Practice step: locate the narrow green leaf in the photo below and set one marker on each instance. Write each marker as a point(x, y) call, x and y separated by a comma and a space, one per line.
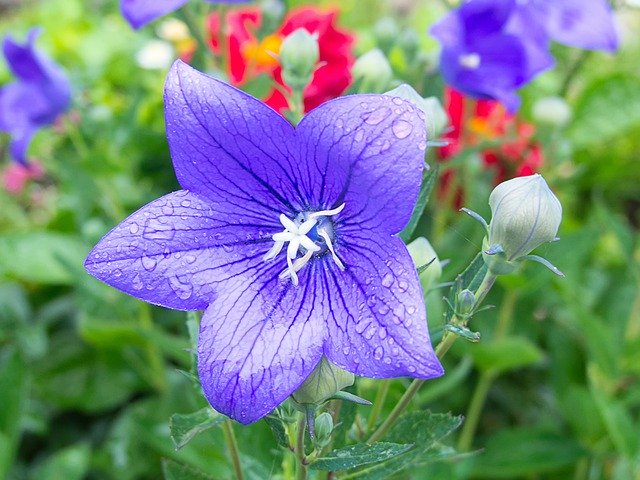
point(13, 397)
point(184, 427)
point(360, 454)
point(428, 182)
point(172, 470)
point(71, 463)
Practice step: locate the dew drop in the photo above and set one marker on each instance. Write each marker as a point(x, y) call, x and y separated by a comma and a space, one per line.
point(377, 116)
point(383, 309)
point(190, 258)
point(227, 248)
point(382, 333)
point(134, 227)
point(411, 368)
point(401, 129)
point(387, 360)
point(378, 353)
point(387, 280)
point(370, 333)
point(403, 286)
point(372, 300)
point(167, 209)
point(149, 263)
point(422, 145)
point(359, 136)
point(411, 309)
point(155, 230)
point(361, 326)
point(397, 100)
point(339, 123)
point(385, 146)
point(181, 289)
point(346, 350)
point(137, 282)
point(117, 272)
point(185, 203)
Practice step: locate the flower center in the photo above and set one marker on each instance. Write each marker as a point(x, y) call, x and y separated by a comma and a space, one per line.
point(308, 233)
point(470, 61)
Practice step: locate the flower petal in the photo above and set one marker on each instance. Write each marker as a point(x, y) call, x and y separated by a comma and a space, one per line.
point(176, 250)
point(227, 144)
point(366, 151)
point(377, 325)
point(258, 342)
point(24, 60)
point(140, 12)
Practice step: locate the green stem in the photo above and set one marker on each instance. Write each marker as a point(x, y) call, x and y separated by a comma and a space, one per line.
point(378, 403)
point(299, 449)
point(152, 351)
point(487, 377)
point(232, 445)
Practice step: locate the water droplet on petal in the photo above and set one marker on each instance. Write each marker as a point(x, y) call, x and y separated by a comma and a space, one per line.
point(377, 116)
point(117, 272)
point(361, 326)
point(385, 146)
point(134, 227)
point(411, 309)
point(359, 136)
point(397, 100)
point(185, 203)
point(182, 289)
point(387, 280)
point(167, 209)
point(339, 123)
point(346, 350)
point(149, 263)
point(403, 286)
point(387, 360)
point(401, 129)
point(382, 333)
point(378, 353)
point(137, 282)
point(190, 258)
point(155, 230)
point(422, 145)
point(383, 309)
point(411, 368)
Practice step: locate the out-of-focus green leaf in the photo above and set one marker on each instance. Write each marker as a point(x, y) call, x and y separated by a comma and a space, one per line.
point(525, 451)
point(173, 470)
point(360, 454)
point(608, 107)
point(40, 257)
point(13, 398)
point(428, 182)
point(506, 354)
point(71, 463)
point(186, 426)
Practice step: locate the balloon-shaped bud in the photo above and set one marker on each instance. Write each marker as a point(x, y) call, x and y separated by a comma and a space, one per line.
point(299, 55)
point(324, 382)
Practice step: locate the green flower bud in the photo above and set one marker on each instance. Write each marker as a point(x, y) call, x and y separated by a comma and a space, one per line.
point(299, 55)
point(373, 70)
point(465, 302)
point(323, 383)
point(423, 254)
point(436, 119)
point(524, 214)
point(552, 110)
point(323, 429)
point(386, 31)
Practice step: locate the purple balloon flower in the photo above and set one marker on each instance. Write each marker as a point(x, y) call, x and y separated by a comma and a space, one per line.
point(482, 57)
point(286, 236)
point(38, 96)
point(140, 12)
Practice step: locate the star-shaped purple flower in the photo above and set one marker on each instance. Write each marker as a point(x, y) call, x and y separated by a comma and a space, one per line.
point(286, 236)
point(482, 57)
point(38, 96)
point(140, 12)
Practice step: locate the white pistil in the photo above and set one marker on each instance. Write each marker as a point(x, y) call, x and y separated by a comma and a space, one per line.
point(296, 235)
point(470, 61)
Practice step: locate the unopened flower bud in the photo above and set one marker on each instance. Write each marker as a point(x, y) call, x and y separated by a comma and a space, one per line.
point(524, 214)
point(155, 55)
point(386, 31)
point(299, 55)
point(323, 383)
point(373, 70)
point(465, 302)
point(425, 259)
point(552, 110)
point(323, 429)
point(436, 119)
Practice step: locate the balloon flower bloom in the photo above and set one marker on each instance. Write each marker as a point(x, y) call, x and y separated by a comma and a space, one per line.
point(140, 12)
point(286, 238)
point(250, 56)
point(40, 93)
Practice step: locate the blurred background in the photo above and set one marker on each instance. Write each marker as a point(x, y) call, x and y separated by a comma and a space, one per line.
point(89, 377)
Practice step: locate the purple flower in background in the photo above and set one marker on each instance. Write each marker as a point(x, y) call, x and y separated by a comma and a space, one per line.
point(482, 57)
point(140, 12)
point(584, 24)
point(38, 96)
point(285, 236)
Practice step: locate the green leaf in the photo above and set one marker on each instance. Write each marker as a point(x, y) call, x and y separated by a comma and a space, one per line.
point(42, 257)
point(360, 454)
point(525, 452)
point(71, 463)
point(428, 182)
point(470, 279)
point(607, 108)
point(172, 470)
point(186, 426)
point(507, 354)
point(13, 399)
point(277, 427)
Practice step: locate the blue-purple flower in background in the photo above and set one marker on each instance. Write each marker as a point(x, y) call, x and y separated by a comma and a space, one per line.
point(285, 236)
point(140, 12)
point(39, 95)
point(491, 48)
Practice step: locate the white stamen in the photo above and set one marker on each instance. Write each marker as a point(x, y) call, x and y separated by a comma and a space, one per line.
point(295, 233)
point(470, 61)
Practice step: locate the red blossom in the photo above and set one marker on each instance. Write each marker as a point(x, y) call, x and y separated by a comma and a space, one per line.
point(249, 55)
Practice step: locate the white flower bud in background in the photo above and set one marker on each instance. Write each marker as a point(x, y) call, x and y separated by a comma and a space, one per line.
point(155, 55)
point(423, 254)
point(299, 55)
point(524, 214)
point(373, 71)
point(552, 110)
point(436, 119)
point(173, 30)
point(324, 382)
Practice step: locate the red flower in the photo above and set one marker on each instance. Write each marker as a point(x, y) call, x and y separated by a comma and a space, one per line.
point(249, 55)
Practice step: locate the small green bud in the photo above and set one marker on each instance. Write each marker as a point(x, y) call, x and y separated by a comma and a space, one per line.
point(465, 302)
point(386, 31)
point(436, 119)
point(323, 383)
point(410, 43)
point(552, 110)
point(299, 55)
point(524, 214)
point(373, 70)
point(423, 254)
point(323, 429)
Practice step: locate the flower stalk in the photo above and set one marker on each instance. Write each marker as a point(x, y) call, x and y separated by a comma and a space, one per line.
point(232, 445)
point(299, 448)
